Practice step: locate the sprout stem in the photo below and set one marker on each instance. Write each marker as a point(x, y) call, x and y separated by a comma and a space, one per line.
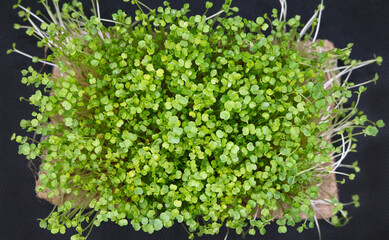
point(29, 56)
point(144, 5)
point(32, 14)
point(308, 24)
point(98, 8)
point(319, 20)
point(214, 15)
point(56, 6)
point(284, 8)
point(361, 84)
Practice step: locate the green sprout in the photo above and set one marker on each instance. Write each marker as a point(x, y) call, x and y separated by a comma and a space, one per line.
point(205, 120)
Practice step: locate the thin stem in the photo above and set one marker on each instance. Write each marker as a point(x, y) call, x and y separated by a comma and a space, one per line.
point(319, 20)
point(29, 56)
point(93, 6)
point(283, 10)
point(214, 15)
point(56, 6)
point(140, 8)
point(308, 24)
point(91, 225)
point(50, 13)
point(361, 84)
point(111, 21)
point(228, 230)
point(36, 29)
point(318, 227)
point(348, 69)
point(98, 8)
point(144, 5)
point(32, 14)
point(336, 69)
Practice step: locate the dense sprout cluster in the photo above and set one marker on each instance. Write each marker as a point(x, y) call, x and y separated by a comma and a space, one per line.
point(166, 116)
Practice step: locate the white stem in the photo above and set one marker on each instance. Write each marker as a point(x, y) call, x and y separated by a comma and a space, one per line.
point(58, 14)
point(101, 34)
point(348, 76)
point(256, 213)
point(329, 132)
point(228, 230)
point(340, 102)
point(318, 22)
point(32, 14)
point(50, 13)
point(37, 29)
point(335, 69)
point(308, 24)
point(98, 8)
point(318, 227)
point(325, 117)
point(214, 15)
point(339, 173)
point(344, 152)
point(361, 84)
point(26, 27)
point(331, 80)
point(111, 21)
point(320, 201)
point(306, 170)
point(29, 56)
point(93, 6)
point(283, 10)
point(318, 210)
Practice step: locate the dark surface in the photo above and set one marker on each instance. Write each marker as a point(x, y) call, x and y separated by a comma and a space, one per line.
point(364, 22)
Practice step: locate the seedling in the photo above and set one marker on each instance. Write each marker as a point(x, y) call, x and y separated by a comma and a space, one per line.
point(206, 120)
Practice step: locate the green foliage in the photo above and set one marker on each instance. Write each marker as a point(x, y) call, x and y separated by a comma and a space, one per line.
point(167, 117)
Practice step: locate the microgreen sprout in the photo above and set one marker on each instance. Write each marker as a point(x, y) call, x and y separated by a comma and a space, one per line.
point(205, 120)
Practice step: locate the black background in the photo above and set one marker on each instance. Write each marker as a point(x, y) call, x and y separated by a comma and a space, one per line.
point(363, 22)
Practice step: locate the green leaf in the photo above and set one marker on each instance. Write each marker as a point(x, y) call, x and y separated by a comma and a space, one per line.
point(285, 151)
point(94, 62)
point(104, 100)
point(68, 204)
point(142, 44)
point(265, 212)
point(294, 132)
point(66, 105)
point(119, 123)
point(98, 55)
point(43, 224)
point(123, 222)
point(173, 139)
point(260, 20)
point(34, 122)
point(68, 121)
point(282, 229)
point(304, 209)
point(371, 131)
point(24, 149)
point(160, 72)
point(177, 203)
point(158, 224)
point(208, 4)
point(138, 191)
point(380, 124)
point(177, 130)
point(225, 115)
